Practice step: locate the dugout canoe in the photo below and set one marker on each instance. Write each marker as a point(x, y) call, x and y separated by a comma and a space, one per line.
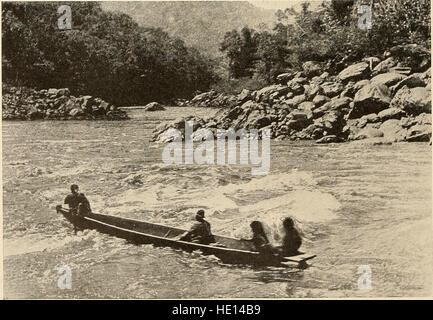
point(228, 250)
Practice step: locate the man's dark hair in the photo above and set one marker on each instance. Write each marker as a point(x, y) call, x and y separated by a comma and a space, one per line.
point(288, 222)
point(74, 187)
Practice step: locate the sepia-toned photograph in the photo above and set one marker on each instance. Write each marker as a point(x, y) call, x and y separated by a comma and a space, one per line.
point(216, 150)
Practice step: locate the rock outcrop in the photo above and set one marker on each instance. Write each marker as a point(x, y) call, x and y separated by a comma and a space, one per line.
point(55, 104)
point(380, 98)
point(211, 99)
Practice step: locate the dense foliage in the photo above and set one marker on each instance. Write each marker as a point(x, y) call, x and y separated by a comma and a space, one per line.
point(106, 54)
point(328, 34)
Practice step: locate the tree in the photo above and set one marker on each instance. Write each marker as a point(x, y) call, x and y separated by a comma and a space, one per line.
point(241, 51)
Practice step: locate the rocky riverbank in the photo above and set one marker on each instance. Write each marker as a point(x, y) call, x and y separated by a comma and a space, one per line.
point(387, 99)
point(55, 104)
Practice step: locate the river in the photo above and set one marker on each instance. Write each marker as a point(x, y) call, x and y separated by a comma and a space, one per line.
point(356, 205)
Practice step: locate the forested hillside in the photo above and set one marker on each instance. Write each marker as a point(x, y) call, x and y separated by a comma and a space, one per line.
point(201, 24)
point(106, 54)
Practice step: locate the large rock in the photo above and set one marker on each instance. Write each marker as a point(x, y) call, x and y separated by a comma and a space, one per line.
point(419, 133)
point(360, 84)
point(329, 139)
point(332, 89)
point(76, 112)
point(413, 55)
point(393, 131)
point(320, 100)
point(312, 90)
point(355, 72)
point(389, 79)
point(285, 77)
point(391, 113)
point(297, 120)
point(311, 68)
point(244, 96)
point(154, 106)
point(340, 104)
point(412, 81)
point(370, 99)
point(385, 66)
point(413, 100)
point(369, 118)
point(264, 93)
point(257, 120)
point(368, 133)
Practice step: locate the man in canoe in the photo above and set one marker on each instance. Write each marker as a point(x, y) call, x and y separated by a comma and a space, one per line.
point(200, 231)
point(292, 239)
point(260, 240)
point(78, 203)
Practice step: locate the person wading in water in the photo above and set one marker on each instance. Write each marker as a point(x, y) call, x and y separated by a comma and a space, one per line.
point(200, 231)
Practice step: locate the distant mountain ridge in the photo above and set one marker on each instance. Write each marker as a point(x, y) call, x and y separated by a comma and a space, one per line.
point(201, 24)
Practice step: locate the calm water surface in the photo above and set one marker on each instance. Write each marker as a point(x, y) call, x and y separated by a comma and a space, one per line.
point(355, 204)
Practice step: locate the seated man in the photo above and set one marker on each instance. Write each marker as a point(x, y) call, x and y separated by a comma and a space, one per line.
point(292, 239)
point(78, 203)
point(260, 240)
point(200, 231)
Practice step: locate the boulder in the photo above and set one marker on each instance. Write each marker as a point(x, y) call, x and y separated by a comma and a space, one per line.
point(256, 120)
point(312, 90)
point(245, 95)
point(368, 133)
point(423, 119)
point(371, 98)
point(298, 120)
point(296, 100)
point(412, 81)
point(413, 100)
point(385, 66)
point(76, 112)
point(296, 86)
point(86, 102)
point(202, 134)
point(340, 104)
point(414, 55)
point(355, 72)
point(52, 92)
point(34, 114)
point(63, 92)
point(264, 93)
point(393, 131)
point(360, 84)
point(349, 90)
point(332, 89)
point(154, 106)
point(320, 100)
point(329, 139)
point(389, 79)
point(391, 113)
point(284, 77)
point(311, 69)
point(306, 106)
point(419, 133)
point(369, 118)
